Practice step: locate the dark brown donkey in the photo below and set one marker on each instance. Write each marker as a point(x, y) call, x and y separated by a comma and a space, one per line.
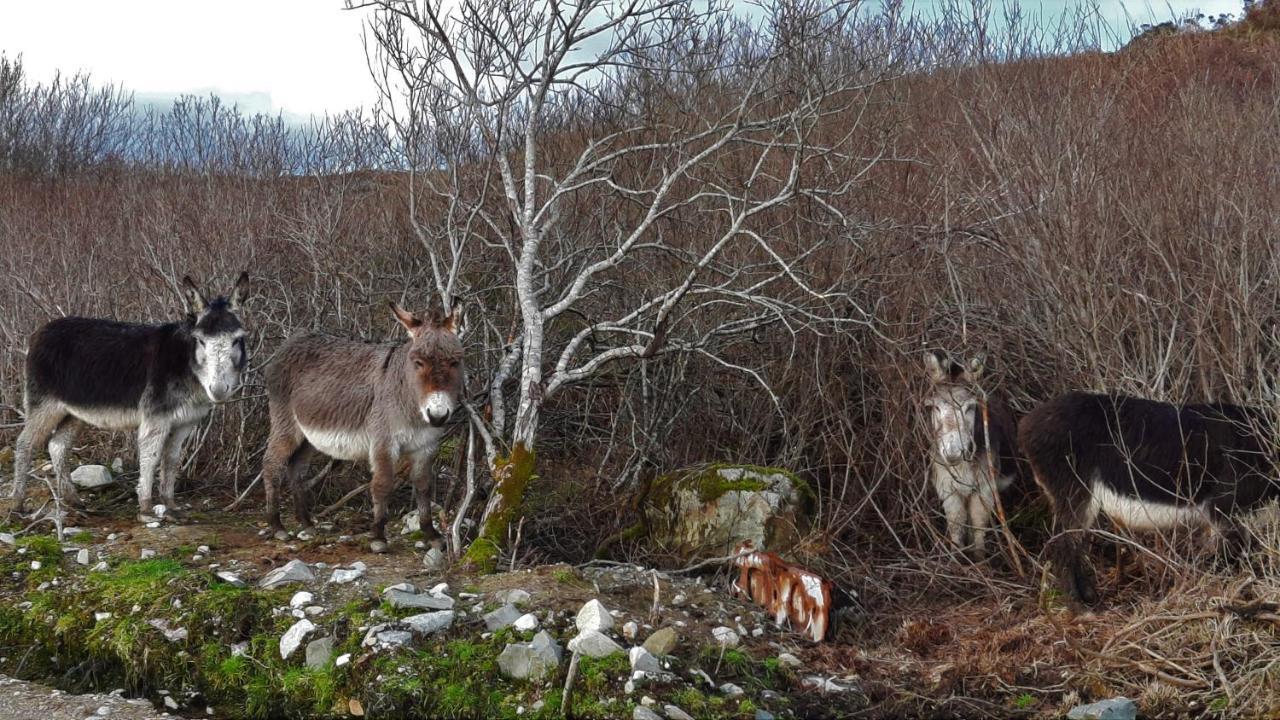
point(1148, 466)
point(359, 401)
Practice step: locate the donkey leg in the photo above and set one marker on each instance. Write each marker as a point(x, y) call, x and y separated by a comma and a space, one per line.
point(170, 461)
point(151, 443)
point(980, 519)
point(42, 421)
point(423, 471)
point(953, 506)
point(298, 463)
point(59, 444)
point(1073, 514)
point(383, 482)
point(286, 438)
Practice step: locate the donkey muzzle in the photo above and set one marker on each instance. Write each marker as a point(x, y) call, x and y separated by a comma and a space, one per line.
point(437, 408)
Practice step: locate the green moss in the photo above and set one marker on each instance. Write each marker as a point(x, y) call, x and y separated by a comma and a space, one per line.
point(512, 476)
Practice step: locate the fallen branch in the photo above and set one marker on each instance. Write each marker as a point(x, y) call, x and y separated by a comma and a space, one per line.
point(344, 500)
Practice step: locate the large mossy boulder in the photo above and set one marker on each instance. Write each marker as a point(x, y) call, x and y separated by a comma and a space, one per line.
point(706, 510)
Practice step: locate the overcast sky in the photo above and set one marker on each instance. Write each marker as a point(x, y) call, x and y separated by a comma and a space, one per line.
point(296, 56)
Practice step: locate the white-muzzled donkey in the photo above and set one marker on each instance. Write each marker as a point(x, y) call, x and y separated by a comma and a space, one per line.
point(966, 473)
point(161, 380)
point(377, 403)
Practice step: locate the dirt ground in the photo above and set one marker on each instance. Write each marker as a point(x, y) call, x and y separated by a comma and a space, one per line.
point(28, 701)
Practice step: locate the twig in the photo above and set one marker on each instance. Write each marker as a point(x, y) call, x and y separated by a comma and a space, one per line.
point(566, 698)
point(236, 503)
point(657, 594)
point(345, 499)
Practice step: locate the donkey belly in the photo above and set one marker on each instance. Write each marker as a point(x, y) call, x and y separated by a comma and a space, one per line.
point(1138, 514)
point(107, 418)
point(340, 444)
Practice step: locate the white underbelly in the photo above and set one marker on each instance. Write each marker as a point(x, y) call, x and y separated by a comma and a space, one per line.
point(1135, 514)
point(343, 445)
point(107, 418)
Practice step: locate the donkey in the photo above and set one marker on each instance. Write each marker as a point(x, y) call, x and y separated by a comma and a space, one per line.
point(359, 401)
point(967, 473)
point(161, 380)
point(1148, 466)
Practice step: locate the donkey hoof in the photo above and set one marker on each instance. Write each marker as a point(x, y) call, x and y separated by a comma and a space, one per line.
point(378, 546)
point(149, 520)
point(281, 535)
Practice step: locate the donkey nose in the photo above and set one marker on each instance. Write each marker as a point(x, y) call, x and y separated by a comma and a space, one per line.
point(437, 418)
point(969, 450)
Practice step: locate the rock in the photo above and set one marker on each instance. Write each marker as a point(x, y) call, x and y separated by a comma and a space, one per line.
point(412, 523)
point(429, 623)
point(662, 642)
point(502, 617)
point(526, 622)
point(595, 644)
point(679, 599)
point(763, 714)
point(231, 579)
point(343, 659)
point(82, 557)
point(594, 616)
point(292, 571)
point(829, 685)
point(401, 587)
point(117, 466)
point(102, 566)
point(36, 564)
point(293, 637)
point(643, 713)
point(300, 599)
point(402, 599)
point(643, 661)
point(386, 636)
point(170, 633)
point(433, 559)
point(707, 510)
point(515, 597)
point(530, 660)
point(1120, 708)
point(439, 589)
point(91, 476)
point(170, 703)
point(146, 554)
point(377, 546)
point(100, 616)
point(240, 649)
point(313, 610)
point(674, 713)
point(343, 576)
point(319, 651)
point(726, 637)
point(789, 660)
point(629, 630)
point(8, 539)
point(203, 549)
point(732, 691)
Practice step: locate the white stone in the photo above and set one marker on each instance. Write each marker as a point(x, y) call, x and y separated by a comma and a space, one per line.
point(293, 637)
point(343, 659)
point(171, 634)
point(502, 617)
point(594, 616)
point(100, 567)
point(726, 636)
point(515, 597)
point(231, 579)
point(674, 713)
point(433, 559)
point(630, 630)
point(789, 660)
point(91, 476)
point(429, 623)
point(300, 599)
point(36, 565)
point(526, 622)
point(147, 554)
point(731, 690)
point(402, 587)
point(8, 539)
point(203, 549)
point(643, 713)
point(401, 599)
point(82, 557)
point(643, 661)
point(100, 616)
point(292, 571)
point(530, 660)
point(159, 511)
point(343, 576)
point(594, 643)
point(170, 703)
point(439, 589)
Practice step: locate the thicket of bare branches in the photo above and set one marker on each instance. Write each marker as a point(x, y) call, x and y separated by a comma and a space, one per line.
point(1088, 219)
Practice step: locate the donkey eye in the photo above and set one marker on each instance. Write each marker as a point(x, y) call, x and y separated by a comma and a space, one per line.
point(418, 363)
point(453, 363)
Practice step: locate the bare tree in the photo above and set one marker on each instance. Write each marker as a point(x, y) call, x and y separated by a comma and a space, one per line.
point(612, 182)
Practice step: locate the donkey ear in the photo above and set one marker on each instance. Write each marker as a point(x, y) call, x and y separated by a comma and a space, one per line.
point(933, 363)
point(455, 322)
point(977, 364)
point(410, 321)
point(196, 303)
point(240, 291)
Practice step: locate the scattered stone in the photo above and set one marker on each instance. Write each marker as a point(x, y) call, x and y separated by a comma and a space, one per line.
point(643, 713)
point(789, 660)
point(232, 579)
point(762, 714)
point(159, 511)
point(401, 587)
point(662, 642)
point(82, 557)
point(300, 599)
point(502, 617)
point(829, 685)
point(319, 651)
point(412, 523)
point(726, 636)
point(515, 597)
point(153, 524)
point(91, 476)
point(594, 616)
point(170, 633)
point(293, 637)
point(102, 566)
point(429, 623)
point(674, 713)
point(679, 599)
point(733, 691)
point(170, 703)
point(595, 644)
point(292, 571)
point(530, 660)
point(313, 610)
point(385, 636)
point(304, 535)
point(240, 649)
point(36, 565)
point(401, 599)
point(343, 659)
point(203, 549)
point(526, 622)
point(643, 661)
point(343, 576)
point(629, 630)
point(439, 589)
point(377, 546)
point(100, 616)
point(147, 554)
point(8, 539)
point(1119, 708)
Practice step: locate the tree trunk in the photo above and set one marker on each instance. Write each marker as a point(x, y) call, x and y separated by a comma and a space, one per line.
point(511, 477)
